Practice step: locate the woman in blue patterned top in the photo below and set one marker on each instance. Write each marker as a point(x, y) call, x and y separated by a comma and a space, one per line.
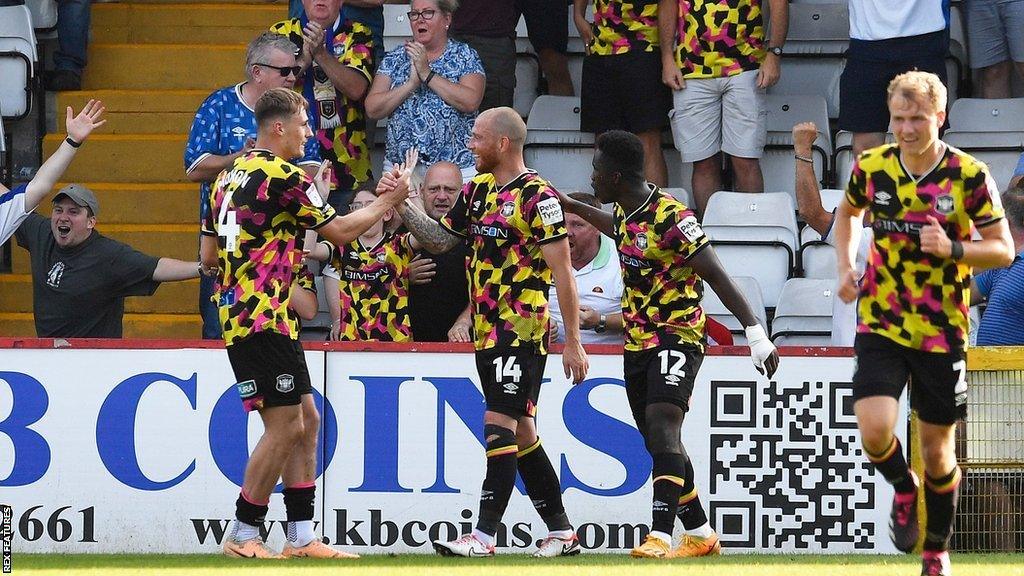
point(431, 88)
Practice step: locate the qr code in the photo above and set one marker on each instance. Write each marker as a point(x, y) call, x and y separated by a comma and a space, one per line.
point(787, 470)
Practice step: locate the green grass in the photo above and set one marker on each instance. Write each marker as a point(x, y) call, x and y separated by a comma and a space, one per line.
point(512, 565)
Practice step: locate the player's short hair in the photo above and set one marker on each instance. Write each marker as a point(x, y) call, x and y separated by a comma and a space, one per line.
point(918, 85)
point(446, 6)
point(278, 103)
point(623, 153)
point(1013, 204)
point(507, 122)
point(588, 199)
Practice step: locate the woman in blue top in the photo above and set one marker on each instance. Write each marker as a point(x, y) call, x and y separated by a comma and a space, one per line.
point(431, 88)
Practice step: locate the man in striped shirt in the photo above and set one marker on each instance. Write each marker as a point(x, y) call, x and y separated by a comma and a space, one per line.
point(1003, 288)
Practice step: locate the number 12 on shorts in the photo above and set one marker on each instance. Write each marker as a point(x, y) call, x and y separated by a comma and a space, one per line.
point(507, 368)
point(672, 362)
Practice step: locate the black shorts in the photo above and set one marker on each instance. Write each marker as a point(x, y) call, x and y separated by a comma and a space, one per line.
point(270, 369)
point(938, 381)
point(511, 379)
point(871, 65)
point(624, 92)
point(547, 23)
point(662, 374)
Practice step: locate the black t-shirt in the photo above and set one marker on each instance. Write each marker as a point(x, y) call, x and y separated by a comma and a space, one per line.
point(434, 306)
point(489, 18)
point(79, 292)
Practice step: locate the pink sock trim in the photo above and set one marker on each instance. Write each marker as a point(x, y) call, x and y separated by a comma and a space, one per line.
point(934, 553)
point(903, 498)
point(250, 500)
point(303, 485)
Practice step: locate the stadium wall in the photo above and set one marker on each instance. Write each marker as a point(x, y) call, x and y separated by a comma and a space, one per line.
point(139, 447)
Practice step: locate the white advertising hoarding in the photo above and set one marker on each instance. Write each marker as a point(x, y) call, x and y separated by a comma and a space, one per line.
point(119, 450)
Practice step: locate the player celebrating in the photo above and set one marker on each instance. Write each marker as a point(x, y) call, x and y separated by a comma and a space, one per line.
point(664, 254)
point(924, 197)
point(517, 236)
point(260, 207)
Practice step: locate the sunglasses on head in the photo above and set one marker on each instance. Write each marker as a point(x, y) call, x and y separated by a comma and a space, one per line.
point(283, 70)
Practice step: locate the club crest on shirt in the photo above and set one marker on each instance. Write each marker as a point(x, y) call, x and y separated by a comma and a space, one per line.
point(382, 258)
point(641, 241)
point(944, 204)
point(285, 383)
point(507, 209)
point(55, 274)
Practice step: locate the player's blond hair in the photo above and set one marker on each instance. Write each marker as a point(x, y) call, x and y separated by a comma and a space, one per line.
point(919, 86)
point(278, 103)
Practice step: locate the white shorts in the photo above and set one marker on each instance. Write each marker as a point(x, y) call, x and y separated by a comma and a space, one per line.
point(720, 114)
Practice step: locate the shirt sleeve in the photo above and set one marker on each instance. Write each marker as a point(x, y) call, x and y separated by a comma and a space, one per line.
point(132, 271)
point(982, 200)
point(389, 63)
point(684, 234)
point(358, 53)
point(456, 220)
point(984, 281)
point(292, 30)
point(12, 211)
point(856, 188)
point(471, 62)
point(544, 213)
point(208, 225)
point(204, 136)
point(303, 201)
point(31, 232)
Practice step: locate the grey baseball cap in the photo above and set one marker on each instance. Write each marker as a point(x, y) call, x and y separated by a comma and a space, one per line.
point(80, 195)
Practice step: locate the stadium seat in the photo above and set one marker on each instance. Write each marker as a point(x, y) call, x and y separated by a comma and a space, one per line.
point(714, 307)
point(527, 80)
point(18, 58)
point(44, 17)
point(777, 164)
point(818, 29)
point(754, 234)
point(396, 26)
point(576, 71)
point(804, 314)
point(999, 150)
point(555, 147)
point(987, 115)
point(816, 75)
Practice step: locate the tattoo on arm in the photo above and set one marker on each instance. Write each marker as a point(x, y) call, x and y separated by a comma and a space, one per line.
point(434, 238)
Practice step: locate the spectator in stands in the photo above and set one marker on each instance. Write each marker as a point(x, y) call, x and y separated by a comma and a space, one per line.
point(808, 199)
point(73, 17)
point(886, 39)
point(595, 265)
point(80, 278)
point(623, 60)
point(369, 13)
point(16, 205)
point(995, 39)
point(224, 128)
point(336, 57)
point(367, 283)
point(1003, 288)
point(547, 24)
point(719, 67)
point(489, 28)
point(431, 89)
point(439, 290)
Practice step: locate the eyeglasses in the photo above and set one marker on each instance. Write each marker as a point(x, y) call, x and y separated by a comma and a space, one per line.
point(425, 14)
point(283, 70)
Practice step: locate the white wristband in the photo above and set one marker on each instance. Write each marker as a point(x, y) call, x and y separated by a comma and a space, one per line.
point(755, 333)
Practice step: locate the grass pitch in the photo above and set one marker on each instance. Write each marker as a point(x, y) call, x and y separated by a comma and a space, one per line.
point(511, 565)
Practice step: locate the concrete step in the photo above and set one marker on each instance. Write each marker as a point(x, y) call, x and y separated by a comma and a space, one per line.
point(138, 111)
point(125, 158)
point(180, 23)
point(143, 326)
point(170, 298)
point(129, 203)
point(179, 241)
point(163, 66)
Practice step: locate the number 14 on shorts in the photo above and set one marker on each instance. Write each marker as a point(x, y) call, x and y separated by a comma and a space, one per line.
point(505, 368)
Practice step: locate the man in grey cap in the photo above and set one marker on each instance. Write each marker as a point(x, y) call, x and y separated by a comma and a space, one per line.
point(80, 278)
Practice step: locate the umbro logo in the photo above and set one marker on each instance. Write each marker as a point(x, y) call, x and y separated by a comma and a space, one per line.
point(882, 198)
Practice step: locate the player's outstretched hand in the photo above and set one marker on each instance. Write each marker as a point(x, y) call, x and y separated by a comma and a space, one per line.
point(847, 286)
point(574, 361)
point(934, 239)
point(80, 126)
point(762, 351)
